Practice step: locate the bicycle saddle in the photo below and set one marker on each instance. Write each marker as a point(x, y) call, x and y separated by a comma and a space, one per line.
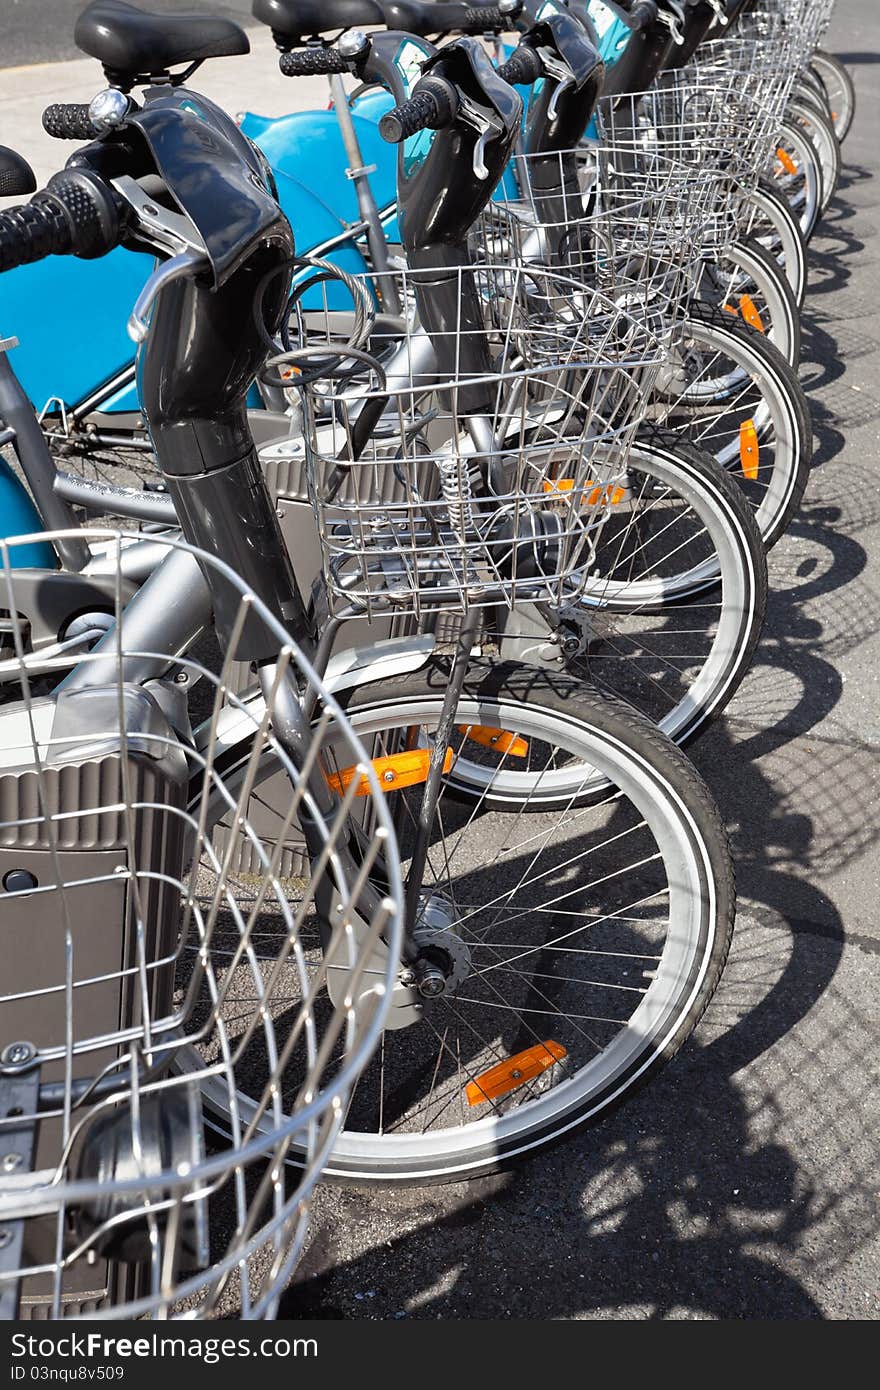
point(16, 175)
point(127, 40)
point(297, 20)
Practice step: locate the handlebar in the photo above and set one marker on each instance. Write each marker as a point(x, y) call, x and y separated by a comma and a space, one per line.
point(522, 68)
point(69, 121)
point(313, 62)
point(433, 104)
point(643, 13)
point(488, 19)
point(78, 214)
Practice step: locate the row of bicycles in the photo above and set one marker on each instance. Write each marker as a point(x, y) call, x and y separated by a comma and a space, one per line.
point(387, 499)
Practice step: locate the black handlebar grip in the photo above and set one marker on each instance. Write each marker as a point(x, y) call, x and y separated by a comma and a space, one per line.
point(30, 233)
point(434, 103)
point(77, 214)
point(91, 207)
point(522, 68)
point(69, 121)
point(643, 13)
point(489, 19)
point(313, 62)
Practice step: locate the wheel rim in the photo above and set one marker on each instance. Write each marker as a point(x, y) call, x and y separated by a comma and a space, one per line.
point(739, 284)
point(415, 1137)
point(737, 387)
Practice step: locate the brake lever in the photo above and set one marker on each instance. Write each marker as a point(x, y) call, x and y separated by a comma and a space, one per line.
point(183, 264)
point(674, 20)
point(720, 12)
point(168, 231)
point(487, 129)
point(555, 67)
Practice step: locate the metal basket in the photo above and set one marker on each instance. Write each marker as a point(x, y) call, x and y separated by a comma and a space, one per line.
point(805, 22)
point(682, 150)
point(141, 970)
point(631, 227)
point(759, 72)
point(475, 487)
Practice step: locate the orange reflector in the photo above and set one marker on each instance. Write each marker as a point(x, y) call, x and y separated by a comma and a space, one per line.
point(748, 449)
point(498, 739)
point(749, 310)
point(516, 1071)
point(609, 493)
point(731, 309)
point(786, 161)
point(594, 493)
point(397, 771)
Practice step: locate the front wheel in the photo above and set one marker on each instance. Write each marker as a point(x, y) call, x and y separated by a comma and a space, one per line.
point(580, 942)
point(745, 281)
point(730, 391)
point(839, 88)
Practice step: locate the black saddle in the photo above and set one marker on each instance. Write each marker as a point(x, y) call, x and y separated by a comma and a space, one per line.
point(127, 40)
point(294, 21)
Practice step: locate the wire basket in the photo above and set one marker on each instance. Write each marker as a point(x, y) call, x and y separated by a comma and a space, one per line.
point(683, 151)
point(806, 23)
point(631, 228)
point(130, 944)
point(475, 464)
point(759, 72)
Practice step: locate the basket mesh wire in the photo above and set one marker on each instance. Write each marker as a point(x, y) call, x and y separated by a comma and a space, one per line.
point(143, 973)
point(497, 444)
point(711, 123)
point(758, 73)
point(804, 24)
point(627, 228)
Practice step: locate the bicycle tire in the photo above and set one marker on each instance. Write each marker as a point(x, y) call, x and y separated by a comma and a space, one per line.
point(781, 419)
point(840, 88)
point(673, 803)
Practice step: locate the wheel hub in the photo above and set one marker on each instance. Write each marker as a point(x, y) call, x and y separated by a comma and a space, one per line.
point(443, 961)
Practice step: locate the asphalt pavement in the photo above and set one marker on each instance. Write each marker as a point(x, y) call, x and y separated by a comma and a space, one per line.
point(743, 1182)
point(41, 31)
